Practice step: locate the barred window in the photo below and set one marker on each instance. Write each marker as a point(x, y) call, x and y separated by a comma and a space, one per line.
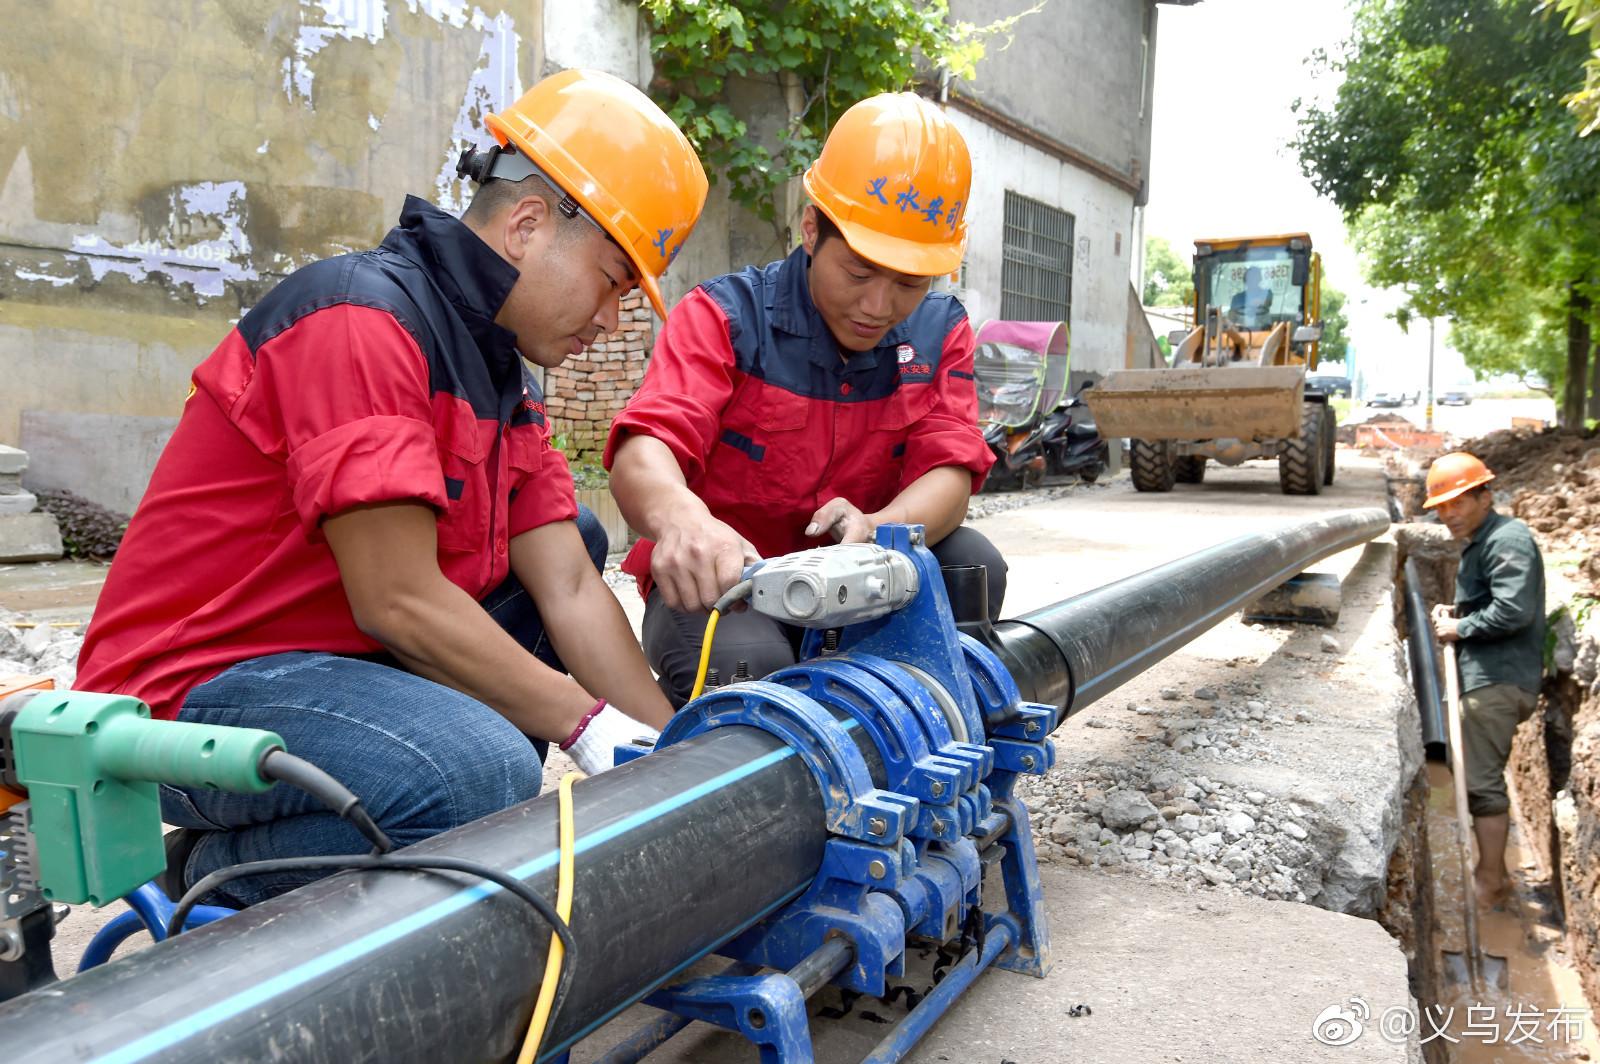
point(1036, 272)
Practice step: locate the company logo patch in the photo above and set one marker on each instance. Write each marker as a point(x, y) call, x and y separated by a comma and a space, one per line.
point(905, 353)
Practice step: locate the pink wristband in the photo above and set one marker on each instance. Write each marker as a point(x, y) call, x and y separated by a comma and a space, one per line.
point(577, 732)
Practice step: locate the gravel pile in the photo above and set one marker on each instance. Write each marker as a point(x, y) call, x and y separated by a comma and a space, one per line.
point(988, 505)
point(40, 650)
point(1164, 818)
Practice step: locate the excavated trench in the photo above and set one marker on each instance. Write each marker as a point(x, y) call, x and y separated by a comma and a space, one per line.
point(1547, 930)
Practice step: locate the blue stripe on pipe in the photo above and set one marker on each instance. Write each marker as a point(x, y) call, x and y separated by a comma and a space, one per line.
point(186, 1028)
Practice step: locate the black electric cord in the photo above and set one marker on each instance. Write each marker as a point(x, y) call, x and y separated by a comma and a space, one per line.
point(278, 764)
point(401, 861)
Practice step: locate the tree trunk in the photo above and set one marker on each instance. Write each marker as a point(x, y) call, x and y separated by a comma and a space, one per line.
point(1578, 343)
point(1593, 408)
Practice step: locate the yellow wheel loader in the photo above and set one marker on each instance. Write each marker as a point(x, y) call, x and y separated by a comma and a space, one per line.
point(1236, 389)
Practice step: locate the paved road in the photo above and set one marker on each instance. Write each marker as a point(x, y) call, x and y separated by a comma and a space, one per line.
point(1465, 422)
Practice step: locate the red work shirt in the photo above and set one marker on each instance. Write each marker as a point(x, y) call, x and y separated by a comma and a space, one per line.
point(747, 387)
point(368, 378)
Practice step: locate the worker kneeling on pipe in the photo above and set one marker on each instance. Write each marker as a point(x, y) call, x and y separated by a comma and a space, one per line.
point(809, 400)
point(359, 536)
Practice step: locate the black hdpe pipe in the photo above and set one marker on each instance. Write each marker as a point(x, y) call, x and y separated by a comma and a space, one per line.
point(1425, 668)
point(1079, 650)
point(677, 853)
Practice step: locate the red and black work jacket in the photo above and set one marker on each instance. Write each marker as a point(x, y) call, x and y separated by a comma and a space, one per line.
point(747, 387)
point(373, 377)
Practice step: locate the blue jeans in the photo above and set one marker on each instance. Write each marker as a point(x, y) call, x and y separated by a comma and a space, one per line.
point(423, 758)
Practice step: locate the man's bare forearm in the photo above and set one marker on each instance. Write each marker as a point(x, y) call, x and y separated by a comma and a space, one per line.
point(649, 487)
point(590, 638)
point(937, 500)
point(387, 558)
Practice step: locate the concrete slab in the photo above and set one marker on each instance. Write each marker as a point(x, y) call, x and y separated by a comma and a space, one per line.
point(21, 502)
point(1169, 976)
point(13, 460)
point(29, 537)
point(106, 458)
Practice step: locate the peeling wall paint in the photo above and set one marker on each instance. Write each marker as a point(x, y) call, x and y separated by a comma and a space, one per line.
point(348, 19)
point(198, 241)
point(197, 152)
point(495, 82)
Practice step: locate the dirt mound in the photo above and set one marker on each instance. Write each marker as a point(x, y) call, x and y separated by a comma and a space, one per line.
point(1346, 432)
point(1553, 479)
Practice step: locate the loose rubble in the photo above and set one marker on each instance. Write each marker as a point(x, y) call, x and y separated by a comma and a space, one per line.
point(28, 649)
point(1157, 817)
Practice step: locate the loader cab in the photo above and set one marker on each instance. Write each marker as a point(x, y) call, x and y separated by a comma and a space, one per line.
point(1257, 282)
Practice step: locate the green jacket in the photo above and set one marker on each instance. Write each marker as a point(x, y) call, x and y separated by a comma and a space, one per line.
point(1500, 600)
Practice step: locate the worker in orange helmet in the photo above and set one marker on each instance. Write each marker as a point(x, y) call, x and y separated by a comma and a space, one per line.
point(360, 537)
point(1498, 626)
point(810, 400)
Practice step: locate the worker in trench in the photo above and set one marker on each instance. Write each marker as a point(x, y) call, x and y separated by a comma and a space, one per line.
point(1498, 626)
point(359, 536)
point(807, 401)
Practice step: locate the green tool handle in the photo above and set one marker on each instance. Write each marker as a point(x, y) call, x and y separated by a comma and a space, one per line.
point(186, 755)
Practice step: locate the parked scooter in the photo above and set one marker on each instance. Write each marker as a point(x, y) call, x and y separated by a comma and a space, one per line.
point(1072, 442)
point(1021, 371)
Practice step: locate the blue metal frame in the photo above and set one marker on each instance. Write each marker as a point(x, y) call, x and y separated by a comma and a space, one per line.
point(149, 909)
point(903, 861)
point(854, 807)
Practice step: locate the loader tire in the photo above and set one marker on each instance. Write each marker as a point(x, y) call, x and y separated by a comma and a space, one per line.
point(1152, 465)
point(1330, 429)
point(1301, 465)
point(1190, 468)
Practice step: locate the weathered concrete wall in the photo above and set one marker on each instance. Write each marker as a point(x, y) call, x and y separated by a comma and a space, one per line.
point(1075, 72)
point(106, 458)
point(162, 165)
point(1103, 218)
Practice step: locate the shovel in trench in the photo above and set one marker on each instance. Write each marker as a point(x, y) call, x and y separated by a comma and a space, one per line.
point(1474, 967)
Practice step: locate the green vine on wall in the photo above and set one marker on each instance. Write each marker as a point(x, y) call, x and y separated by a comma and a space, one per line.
point(824, 54)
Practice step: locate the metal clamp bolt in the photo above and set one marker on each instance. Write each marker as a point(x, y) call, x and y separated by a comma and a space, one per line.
point(1028, 761)
point(877, 825)
point(877, 869)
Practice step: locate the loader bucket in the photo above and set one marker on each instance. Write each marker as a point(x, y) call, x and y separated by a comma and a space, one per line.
point(1200, 403)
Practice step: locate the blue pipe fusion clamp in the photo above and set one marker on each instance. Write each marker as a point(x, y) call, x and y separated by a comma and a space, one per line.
point(903, 861)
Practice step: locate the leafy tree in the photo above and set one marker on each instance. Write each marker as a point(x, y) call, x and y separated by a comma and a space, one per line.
point(1456, 165)
point(823, 54)
point(1168, 280)
point(1582, 19)
point(1334, 345)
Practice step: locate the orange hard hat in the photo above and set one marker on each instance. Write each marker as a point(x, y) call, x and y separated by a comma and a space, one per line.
point(1452, 475)
point(604, 143)
point(894, 176)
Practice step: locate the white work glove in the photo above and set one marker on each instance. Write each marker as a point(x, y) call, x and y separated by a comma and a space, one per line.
point(593, 746)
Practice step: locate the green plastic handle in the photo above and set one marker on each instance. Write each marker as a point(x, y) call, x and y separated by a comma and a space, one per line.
point(113, 735)
point(187, 755)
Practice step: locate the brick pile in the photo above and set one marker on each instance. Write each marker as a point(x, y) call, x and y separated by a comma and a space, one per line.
point(584, 393)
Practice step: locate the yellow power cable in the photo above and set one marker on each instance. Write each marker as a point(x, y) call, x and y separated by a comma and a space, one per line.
point(705, 655)
point(553, 959)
